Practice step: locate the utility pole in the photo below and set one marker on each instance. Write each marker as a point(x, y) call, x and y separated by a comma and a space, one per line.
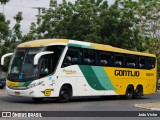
point(39, 11)
point(3, 9)
point(39, 14)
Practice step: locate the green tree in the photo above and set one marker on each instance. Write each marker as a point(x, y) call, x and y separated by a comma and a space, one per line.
point(91, 20)
point(118, 26)
point(8, 36)
point(4, 28)
point(148, 21)
point(16, 32)
point(148, 13)
point(4, 1)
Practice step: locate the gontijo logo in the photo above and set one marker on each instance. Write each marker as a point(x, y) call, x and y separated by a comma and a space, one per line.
point(127, 73)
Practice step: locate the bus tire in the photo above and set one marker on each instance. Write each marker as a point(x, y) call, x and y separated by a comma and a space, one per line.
point(1, 87)
point(37, 99)
point(64, 94)
point(138, 92)
point(129, 92)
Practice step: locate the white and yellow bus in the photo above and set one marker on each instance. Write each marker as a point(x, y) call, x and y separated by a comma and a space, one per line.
point(65, 68)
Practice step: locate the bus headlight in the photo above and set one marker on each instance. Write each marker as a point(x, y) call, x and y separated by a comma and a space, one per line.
point(34, 84)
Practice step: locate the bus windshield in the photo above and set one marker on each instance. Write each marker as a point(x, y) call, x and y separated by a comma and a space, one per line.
point(21, 66)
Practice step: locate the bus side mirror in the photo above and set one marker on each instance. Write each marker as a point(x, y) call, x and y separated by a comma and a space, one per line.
point(4, 56)
point(39, 55)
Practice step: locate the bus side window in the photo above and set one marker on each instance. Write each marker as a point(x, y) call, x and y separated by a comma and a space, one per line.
point(72, 57)
point(118, 60)
point(131, 61)
point(142, 62)
point(150, 63)
point(58, 50)
point(89, 57)
point(46, 66)
point(105, 59)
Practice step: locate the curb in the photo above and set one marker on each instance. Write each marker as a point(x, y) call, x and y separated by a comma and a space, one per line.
point(148, 108)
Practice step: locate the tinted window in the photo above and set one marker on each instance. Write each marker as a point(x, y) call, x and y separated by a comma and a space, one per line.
point(49, 62)
point(46, 66)
point(89, 57)
point(142, 62)
point(105, 59)
point(72, 57)
point(131, 61)
point(150, 63)
point(118, 60)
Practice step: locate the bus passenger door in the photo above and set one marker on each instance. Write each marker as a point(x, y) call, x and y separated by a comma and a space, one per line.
point(45, 70)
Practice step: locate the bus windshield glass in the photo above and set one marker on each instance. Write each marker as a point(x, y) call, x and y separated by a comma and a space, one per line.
point(21, 66)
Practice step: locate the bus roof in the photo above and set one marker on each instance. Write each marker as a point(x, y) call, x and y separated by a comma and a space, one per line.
point(42, 42)
point(75, 43)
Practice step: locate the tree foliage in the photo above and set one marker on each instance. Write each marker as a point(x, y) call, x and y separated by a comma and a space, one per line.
point(16, 31)
point(9, 36)
point(4, 1)
point(149, 14)
point(89, 20)
point(4, 27)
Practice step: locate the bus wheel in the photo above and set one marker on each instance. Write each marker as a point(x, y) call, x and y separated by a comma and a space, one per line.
point(37, 99)
point(138, 92)
point(129, 92)
point(64, 94)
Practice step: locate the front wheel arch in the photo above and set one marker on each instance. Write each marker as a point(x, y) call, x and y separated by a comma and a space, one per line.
point(65, 93)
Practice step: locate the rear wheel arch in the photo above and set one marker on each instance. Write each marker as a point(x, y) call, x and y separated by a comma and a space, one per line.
point(138, 91)
point(129, 91)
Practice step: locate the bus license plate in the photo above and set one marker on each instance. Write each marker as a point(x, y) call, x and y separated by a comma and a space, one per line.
point(17, 93)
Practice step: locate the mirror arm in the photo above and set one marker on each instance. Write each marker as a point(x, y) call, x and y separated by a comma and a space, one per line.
point(4, 56)
point(37, 56)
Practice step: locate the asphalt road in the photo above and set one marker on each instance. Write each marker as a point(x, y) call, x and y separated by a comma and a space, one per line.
point(10, 103)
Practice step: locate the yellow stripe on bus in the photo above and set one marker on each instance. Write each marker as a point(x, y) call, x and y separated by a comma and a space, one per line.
point(42, 43)
point(10, 83)
point(119, 50)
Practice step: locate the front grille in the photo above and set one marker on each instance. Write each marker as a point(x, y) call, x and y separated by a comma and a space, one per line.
point(17, 88)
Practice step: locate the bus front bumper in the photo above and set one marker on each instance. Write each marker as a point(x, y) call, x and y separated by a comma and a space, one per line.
point(31, 92)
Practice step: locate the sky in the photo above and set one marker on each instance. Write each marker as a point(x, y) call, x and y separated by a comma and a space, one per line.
point(28, 13)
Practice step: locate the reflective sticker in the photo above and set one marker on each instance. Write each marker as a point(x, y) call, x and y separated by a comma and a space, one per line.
point(50, 78)
point(47, 92)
